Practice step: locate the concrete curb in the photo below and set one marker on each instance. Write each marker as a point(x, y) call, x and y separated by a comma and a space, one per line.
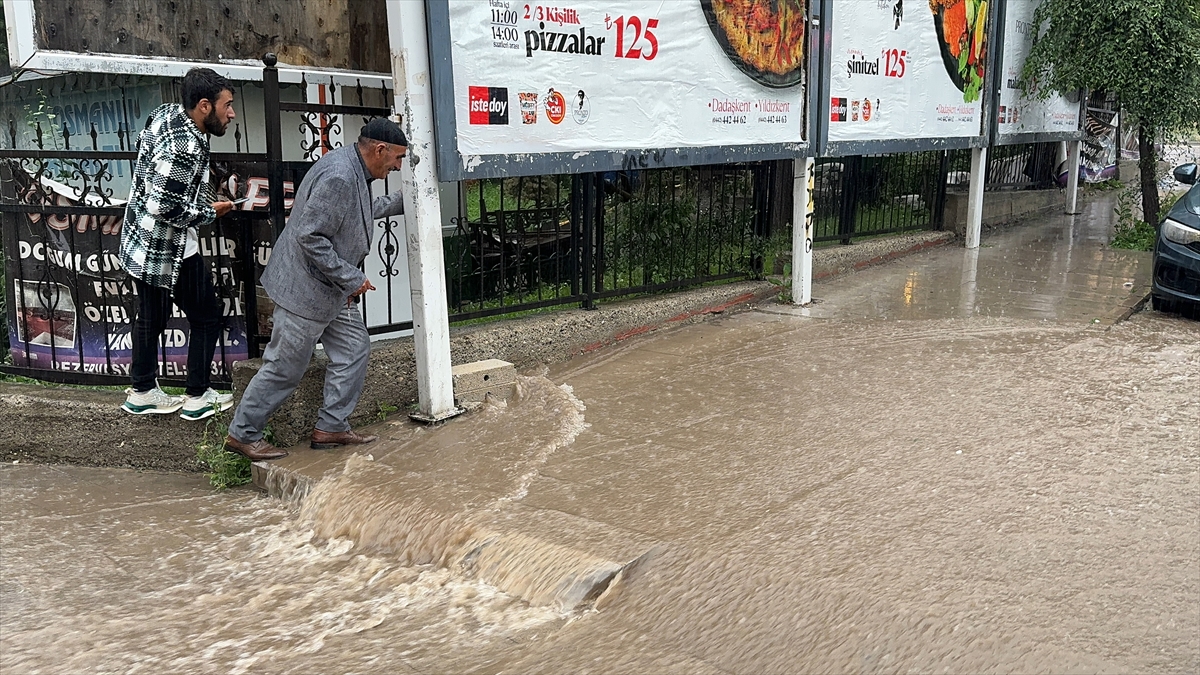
point(942, 239)
point(87, 427)
point(1128, 311)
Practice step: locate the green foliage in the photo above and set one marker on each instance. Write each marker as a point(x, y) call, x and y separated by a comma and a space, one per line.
point(1137, 235)
point(515, 193)
point(6, 356)
point(1143, 50)
point(225, 469)
point(385, 409)
point(1105, 186)
point(1132, 231)
point(769, 248)
point(673, 229)
point(39, 115)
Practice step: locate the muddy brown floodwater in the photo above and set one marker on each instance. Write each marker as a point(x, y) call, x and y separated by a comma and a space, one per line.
point(952, 496)
point(801, 494)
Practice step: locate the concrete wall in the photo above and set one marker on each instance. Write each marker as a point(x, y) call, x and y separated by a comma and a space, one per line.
point(1003, 207)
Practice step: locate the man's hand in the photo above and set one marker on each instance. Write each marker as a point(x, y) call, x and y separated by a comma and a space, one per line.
point(366, 286)
point(222, 208)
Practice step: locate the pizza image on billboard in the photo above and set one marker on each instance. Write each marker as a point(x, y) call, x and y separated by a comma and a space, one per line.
point(962, 38)
point(763, 38)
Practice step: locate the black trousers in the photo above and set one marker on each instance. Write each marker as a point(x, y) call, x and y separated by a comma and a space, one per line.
point(197, 299)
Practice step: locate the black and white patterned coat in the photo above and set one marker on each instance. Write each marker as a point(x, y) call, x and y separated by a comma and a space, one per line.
point(167, 196)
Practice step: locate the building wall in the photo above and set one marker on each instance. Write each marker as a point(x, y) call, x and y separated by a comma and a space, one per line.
point(323, 33)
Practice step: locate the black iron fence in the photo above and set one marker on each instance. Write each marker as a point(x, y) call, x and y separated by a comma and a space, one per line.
point(878, 194)
point(531, 242)
point(1025, 166)
point(69, 304)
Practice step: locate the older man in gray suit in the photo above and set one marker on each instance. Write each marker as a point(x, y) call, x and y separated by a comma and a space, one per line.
point(314, 278)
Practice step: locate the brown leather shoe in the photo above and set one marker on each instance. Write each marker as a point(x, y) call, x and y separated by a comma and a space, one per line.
point(256, 451)
point(323, 440)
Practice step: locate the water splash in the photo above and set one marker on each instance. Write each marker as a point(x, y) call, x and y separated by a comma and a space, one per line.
point(562, 405)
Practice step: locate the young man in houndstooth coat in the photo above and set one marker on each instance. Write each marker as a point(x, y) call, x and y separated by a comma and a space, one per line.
point(169, 201)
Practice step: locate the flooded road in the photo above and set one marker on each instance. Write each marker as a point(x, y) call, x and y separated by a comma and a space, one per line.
point(888, 483)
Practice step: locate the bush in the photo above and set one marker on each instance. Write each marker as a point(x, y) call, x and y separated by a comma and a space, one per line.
point(1131, 231)
point(1137, 236)
point(225, 469)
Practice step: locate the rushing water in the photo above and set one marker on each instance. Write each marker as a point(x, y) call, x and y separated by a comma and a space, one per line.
point(766, 493)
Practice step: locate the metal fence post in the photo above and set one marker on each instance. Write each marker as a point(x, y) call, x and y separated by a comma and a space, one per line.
point(9, 247)
point(849, 206)
point(576, 234)
point(598, 259)
point(589, 242)
point(939, 195)
point(274, 140)
point(274, 143)
point(249, 288)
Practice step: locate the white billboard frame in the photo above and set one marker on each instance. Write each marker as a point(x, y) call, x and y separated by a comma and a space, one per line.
point(829, 148)
point(454, 166)
point(997, 83)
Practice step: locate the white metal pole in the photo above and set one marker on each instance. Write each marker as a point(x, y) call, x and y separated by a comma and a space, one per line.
point(970, 273)
point(975, 196)
point(1073, 150)
point(802, 231)
point(422, 211)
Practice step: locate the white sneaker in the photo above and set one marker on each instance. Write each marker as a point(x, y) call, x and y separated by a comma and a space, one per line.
point(205, 405)
point(154, 401)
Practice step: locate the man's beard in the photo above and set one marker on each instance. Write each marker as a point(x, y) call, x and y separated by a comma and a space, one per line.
point(213, 125)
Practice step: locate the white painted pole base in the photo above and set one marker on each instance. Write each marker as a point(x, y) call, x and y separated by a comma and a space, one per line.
point(422, 212)
point(975, 196)
point(802, 231)
point(970, 272)
point(1073, 152)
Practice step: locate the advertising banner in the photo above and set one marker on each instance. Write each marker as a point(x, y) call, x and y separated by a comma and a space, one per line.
point(907, 70)
point(1098, 153)
point(1017, 113)
point(74, 304)
point(582, 77)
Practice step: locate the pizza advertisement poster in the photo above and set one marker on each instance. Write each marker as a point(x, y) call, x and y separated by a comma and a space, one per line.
point(576, 77)
point(907, 70)
point(1018, 114)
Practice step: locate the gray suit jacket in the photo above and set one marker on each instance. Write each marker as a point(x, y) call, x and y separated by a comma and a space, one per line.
point(315, 264)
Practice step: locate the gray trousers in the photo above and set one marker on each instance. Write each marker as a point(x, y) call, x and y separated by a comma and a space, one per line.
point(286, 358)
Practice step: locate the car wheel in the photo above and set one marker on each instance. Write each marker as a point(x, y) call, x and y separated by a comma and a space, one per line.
point(1162, 304)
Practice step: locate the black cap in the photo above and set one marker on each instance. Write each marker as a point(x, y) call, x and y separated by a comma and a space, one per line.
point(383, 129)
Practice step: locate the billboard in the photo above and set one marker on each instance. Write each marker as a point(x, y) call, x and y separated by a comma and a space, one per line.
point(523, 88)
point(906, 76)
point(1020, 118)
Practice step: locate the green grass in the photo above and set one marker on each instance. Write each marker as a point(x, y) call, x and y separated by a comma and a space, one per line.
point(517, 314)
point(869, 220)
point(225, 469)
point(385, 409)
point(551, 192)
point(21, 379)
point(1105, 186)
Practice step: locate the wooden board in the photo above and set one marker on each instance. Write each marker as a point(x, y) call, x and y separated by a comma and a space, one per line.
point(348, 34)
